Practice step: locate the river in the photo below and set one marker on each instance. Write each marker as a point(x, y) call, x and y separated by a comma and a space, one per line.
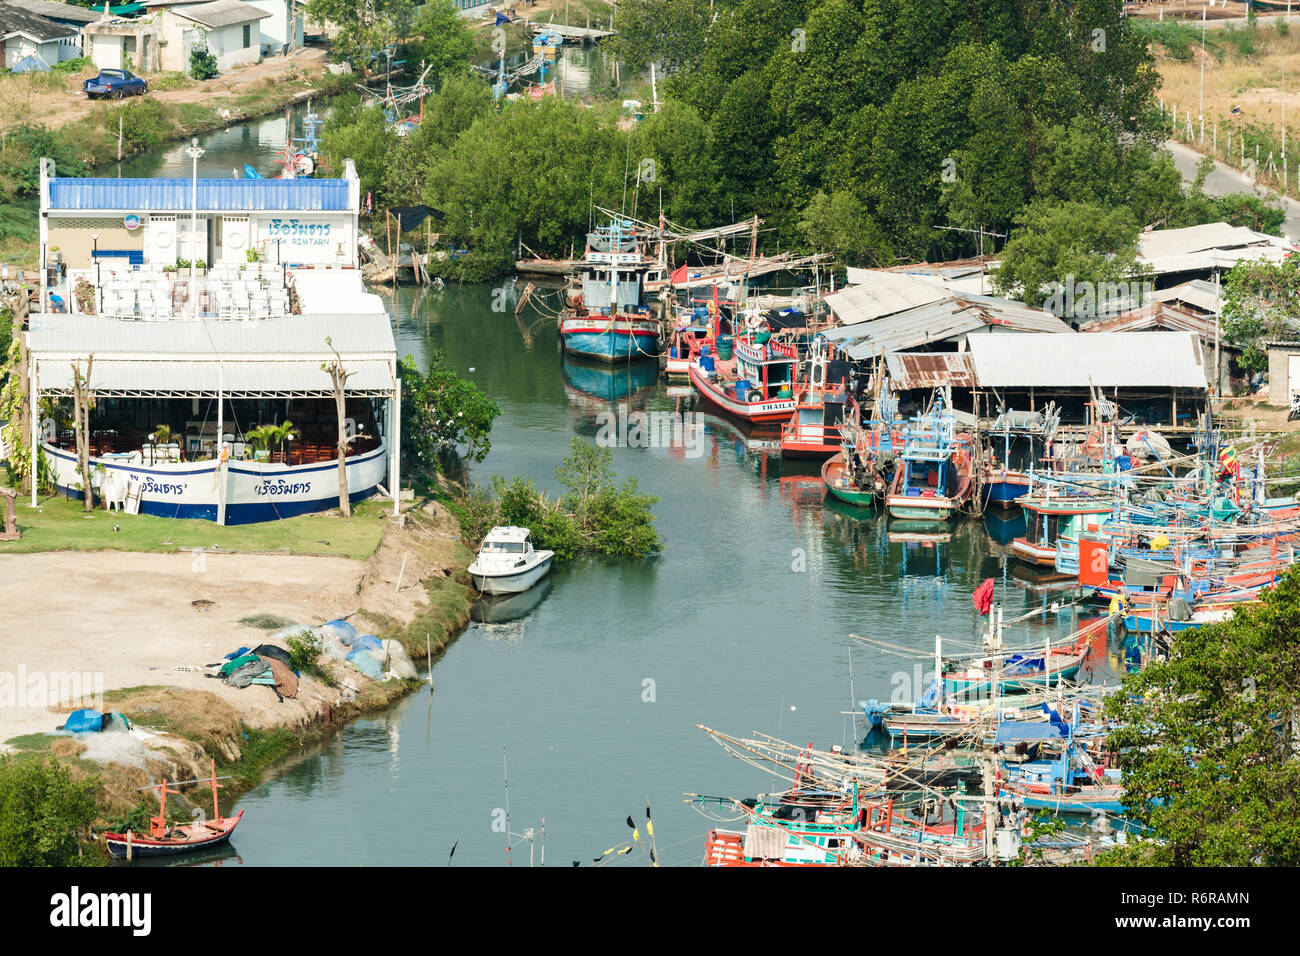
point(593, 695)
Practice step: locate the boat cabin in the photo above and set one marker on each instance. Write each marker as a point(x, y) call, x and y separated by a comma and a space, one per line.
point(765, 366)
point(510, 540)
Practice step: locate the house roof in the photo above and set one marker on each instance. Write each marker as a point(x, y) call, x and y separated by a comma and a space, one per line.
point(1158, 315)
point(270, 357)
point(15, 21)
point(214, 195)
point(1103, 359)
point(948, 319)
point(57, 11)
point(1203, 295)
point(874, 294)
point(909, 370)
point(1209, 246)
point(218, 13)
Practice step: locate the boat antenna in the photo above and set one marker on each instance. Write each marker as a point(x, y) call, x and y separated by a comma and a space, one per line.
point(626, 164)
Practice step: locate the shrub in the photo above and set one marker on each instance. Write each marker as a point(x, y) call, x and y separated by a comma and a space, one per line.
point(43, 813)
point(203, 65)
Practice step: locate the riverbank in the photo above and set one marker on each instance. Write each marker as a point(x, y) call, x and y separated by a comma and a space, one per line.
point(139, 627)
point(55, 119)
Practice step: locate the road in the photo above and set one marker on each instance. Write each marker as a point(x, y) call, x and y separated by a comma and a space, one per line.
point(1224, 179)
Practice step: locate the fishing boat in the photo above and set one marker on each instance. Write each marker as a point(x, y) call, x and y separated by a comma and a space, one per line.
point(933, 477)
point(1044, 768)
point(1022, 670)
point(696, 327)
point(165, 839)
point(755, 384)
point(1023, 437)
point(1050, 516)
point(814, 430)
point(507, 563)
point(605, 316)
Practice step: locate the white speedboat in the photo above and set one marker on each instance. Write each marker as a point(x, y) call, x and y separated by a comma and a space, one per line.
point(507, 562)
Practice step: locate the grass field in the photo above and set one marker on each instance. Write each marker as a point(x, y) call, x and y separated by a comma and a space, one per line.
point(1243, 68)
point(61, 525)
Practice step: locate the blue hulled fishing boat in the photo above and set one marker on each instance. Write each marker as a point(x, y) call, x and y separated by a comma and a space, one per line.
point(605, 316)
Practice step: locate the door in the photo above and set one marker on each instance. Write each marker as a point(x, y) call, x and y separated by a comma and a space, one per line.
point(1293, 374)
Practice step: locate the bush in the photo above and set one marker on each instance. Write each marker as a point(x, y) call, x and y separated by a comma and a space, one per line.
point(75, 65)
point(305, 650)
point(203, 65)
point(43, 813)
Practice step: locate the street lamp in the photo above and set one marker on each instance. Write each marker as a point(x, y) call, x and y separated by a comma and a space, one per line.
point(94, 254)
point(194, 151)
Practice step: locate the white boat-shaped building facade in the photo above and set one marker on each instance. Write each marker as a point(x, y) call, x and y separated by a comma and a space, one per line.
point(186, 368)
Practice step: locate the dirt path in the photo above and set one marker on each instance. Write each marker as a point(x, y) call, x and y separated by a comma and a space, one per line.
point(59, 107)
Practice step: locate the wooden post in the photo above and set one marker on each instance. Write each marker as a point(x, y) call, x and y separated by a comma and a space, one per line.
point(340, 377)
point(82, 400)
point(428, 658)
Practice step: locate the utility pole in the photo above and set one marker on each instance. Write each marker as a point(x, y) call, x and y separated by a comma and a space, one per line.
point(1202, 75)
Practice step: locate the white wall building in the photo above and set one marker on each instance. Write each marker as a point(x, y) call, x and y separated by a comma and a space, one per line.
point(229, 29)
point(24, 34)
point(282, 30)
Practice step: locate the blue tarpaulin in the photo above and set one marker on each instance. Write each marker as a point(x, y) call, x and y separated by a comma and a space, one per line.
point(1010, 731)
point(84, 721)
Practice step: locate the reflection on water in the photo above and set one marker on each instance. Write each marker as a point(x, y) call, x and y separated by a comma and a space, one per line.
point(594, 692)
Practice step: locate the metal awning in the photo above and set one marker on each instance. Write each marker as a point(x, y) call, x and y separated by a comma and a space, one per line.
point(125, 378)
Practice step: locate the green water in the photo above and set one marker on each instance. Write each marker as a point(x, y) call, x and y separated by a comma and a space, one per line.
point(593, 695)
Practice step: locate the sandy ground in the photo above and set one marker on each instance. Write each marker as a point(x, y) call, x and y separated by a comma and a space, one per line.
point(56, 108)
point(130, 617)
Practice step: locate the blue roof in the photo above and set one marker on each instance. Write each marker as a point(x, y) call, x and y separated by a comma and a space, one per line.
point(217, 195)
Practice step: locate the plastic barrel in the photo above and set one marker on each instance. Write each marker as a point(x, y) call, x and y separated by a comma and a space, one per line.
point(742, 389)
point(704, 350)
point(724, 347)
point(706, 363)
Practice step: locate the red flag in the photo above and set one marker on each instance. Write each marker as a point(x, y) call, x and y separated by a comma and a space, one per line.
point(984, 597)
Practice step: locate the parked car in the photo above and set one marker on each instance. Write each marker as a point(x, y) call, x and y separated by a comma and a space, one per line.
point(115, 84)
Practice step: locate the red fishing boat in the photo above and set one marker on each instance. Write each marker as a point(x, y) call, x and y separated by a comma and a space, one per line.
point(755, 384)
point(814, 430)
point(166, 840)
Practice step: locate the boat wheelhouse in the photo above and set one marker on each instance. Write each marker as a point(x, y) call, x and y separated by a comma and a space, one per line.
point(932, 479)
point(1050, 518)
point(605, 316)
point(1016, 441)
point(814, 430)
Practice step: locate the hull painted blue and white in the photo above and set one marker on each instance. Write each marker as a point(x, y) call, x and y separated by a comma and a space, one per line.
point(254, 491)
point(619, 340)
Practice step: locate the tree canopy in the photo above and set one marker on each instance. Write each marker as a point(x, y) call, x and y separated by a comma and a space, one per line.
point(1211, 742)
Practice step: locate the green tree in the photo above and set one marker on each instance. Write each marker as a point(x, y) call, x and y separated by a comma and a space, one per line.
point(1211, 744)
point(442, 413)
point(840, 223)
point(43, 813)
point(203, 65)
point(1261, 301)
point(445, 40)
point(365, 27)
point(1070, 242)
point(670, 33)
point(612, 519)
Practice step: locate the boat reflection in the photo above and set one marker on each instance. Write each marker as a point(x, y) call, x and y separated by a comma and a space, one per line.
point(504, 608)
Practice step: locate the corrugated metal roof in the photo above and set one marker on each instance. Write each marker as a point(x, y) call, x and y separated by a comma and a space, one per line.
point(57, 11)
point(908, 370)
point(221, 13)
point(1204, 295)
point(1158, 315)
point(946, 320)
point(876, 294)
point(1103, 359)
point(214, 195)
point(354, 336)
point(1211, 235)
point(235, 379)
point(14, 21)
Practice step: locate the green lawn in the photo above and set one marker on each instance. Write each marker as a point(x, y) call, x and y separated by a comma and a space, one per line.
point(60, 525)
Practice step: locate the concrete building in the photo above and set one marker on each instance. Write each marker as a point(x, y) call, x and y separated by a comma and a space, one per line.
point(1283, 372)
point(229, 29)
point(308, 222)
point(120, 44)
point(282, 30)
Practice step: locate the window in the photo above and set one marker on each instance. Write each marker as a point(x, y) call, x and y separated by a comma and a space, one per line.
point(248, 36)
